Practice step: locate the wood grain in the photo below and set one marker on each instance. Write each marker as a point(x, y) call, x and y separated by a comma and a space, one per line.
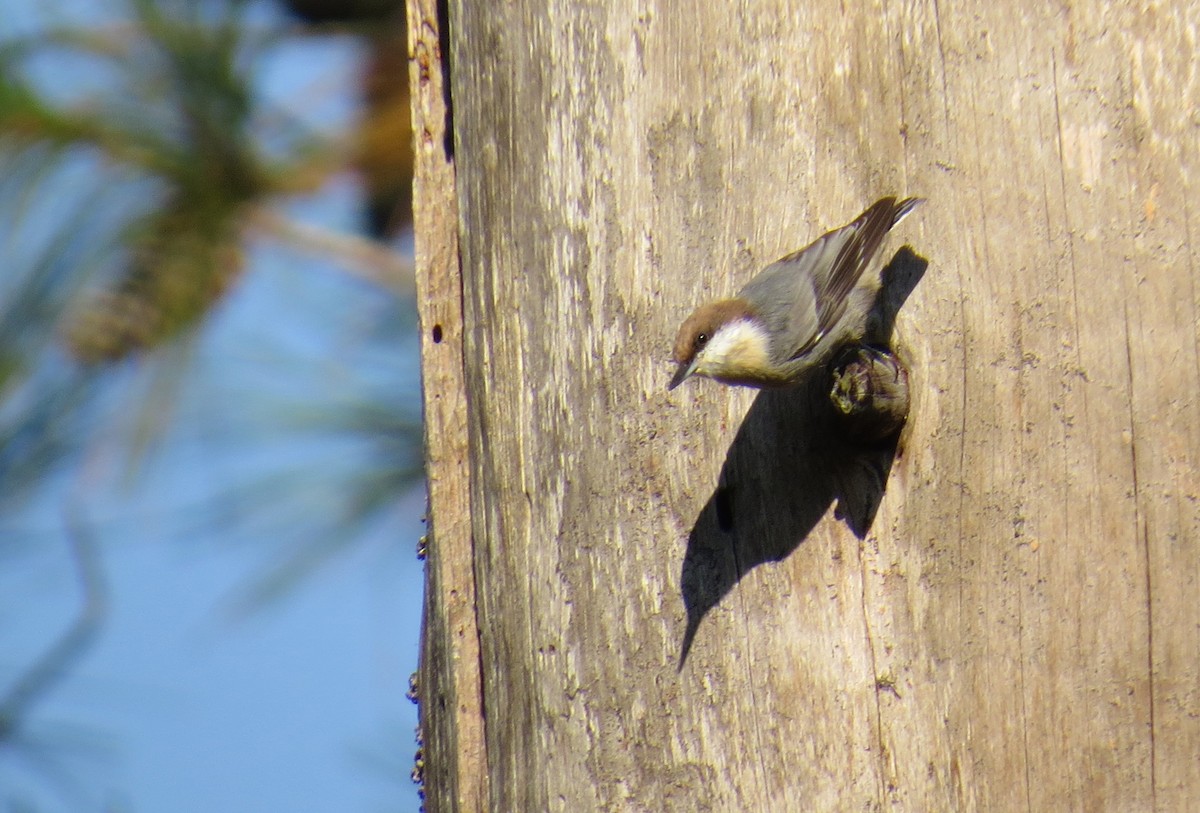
point(449, 682)
point(1020, 626)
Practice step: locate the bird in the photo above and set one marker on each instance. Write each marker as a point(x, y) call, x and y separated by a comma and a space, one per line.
point(794, 314)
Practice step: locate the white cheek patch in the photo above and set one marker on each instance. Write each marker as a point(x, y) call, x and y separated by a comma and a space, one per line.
point(739, 346)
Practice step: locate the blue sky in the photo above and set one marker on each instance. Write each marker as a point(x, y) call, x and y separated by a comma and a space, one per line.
point(188, 702)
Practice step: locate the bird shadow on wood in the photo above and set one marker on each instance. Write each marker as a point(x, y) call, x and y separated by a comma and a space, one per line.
point(787, 464)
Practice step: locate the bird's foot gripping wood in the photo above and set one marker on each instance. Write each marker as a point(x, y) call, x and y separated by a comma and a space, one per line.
point(870, 393)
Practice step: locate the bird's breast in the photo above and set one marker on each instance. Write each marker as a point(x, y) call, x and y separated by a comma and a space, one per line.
point(739, 352)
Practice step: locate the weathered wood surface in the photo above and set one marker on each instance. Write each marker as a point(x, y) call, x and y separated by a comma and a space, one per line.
point(448, 681)
point(1020, 627)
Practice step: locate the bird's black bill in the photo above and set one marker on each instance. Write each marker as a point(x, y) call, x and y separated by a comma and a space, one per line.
point(681, 375)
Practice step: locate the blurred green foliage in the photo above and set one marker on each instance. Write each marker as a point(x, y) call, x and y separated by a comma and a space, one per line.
point(176, 113)
point(125, 210)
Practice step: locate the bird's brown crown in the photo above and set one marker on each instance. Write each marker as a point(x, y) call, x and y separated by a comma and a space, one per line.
point(698, 328)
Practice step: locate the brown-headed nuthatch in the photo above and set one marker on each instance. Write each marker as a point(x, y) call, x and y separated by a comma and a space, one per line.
point(794, 314)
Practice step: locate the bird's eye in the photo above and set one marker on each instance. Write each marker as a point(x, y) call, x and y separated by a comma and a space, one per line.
point(701, 339)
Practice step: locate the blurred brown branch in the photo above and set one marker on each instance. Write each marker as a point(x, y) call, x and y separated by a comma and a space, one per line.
point(188, 119)
point(361, 256)
point(57, 661)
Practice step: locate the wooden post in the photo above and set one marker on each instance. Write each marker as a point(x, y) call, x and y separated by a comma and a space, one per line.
point(453, 767)
point(1018, 627)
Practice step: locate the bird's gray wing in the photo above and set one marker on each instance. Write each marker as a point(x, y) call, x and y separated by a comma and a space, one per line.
point(804, 294)
point(785, 295)
point(859, 243)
